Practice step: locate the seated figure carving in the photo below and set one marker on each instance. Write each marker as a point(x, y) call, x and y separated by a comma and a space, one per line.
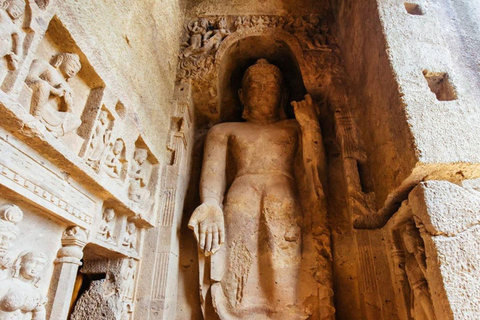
point(139, 178)
point(18, 294)
point(114, 160)
point(251, 227)
point(11, 36)
point(130, 237)
point(98, 143)
point(105, 230)
point(52, 96)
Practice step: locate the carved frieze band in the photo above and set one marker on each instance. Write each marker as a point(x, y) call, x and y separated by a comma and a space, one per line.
point(205, 34)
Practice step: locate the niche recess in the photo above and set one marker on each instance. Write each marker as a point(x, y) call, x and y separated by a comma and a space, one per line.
point(440, 84)
point(414, 9)
point(245, 53)
point(87, 86)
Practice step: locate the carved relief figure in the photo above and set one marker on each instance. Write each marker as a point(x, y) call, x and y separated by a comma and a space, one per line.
point(252, 234)
point(415, 269)
point(139, 178)
point(18, 294)
point(114, 163)
point(198, 28)
point(52, 96)
point(11, 36)
point(127, 283)
point(213, 38)
point(9, 215)
point(130, 237)
point(105, 231)
point(98, 143)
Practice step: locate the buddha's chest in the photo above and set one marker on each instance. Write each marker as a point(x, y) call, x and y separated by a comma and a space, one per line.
point(268, 142)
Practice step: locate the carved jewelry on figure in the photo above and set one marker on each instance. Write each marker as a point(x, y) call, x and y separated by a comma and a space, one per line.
point(18, 294)
point(11, 36)
point(52, 97)
point(99, 141)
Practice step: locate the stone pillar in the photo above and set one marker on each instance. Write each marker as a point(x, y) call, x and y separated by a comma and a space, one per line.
point(68, 260)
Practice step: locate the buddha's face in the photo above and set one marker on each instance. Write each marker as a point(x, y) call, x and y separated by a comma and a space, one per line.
point(261, 95)
point(131, 228)
point(69, 68)
point(118, 146)
point(109, 215)
point(141, 156)
point(32, 266)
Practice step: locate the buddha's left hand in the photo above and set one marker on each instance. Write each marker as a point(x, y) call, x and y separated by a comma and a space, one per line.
point(306, 112)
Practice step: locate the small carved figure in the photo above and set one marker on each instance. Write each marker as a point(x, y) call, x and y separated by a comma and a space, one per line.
point(197, 29)
point(415, 269)
point(260, 21)
point(106, 225)
point(98, 143)
point(115, 160)
point(213, 38)
point(9, 215)
point(130, 237)
point(49, 84)
point(139, 178)
point(11, 36)
point(18, 294)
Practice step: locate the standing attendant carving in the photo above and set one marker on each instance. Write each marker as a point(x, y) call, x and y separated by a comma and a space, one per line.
point(416, 269)
point(11, 36)
point(252, 233)
point(18, 294)
point(52, 96)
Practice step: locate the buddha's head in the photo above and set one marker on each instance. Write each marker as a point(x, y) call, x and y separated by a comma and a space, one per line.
point(68, 64)
point(141, 156)
point(15, 8)
point(118, 146)
point(109, 214)
point(262, 92)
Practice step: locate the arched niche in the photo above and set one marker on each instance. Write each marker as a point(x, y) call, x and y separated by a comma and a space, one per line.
point(241, 50)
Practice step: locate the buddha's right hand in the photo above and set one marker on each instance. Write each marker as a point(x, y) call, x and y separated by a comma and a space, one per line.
point(208, 226)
